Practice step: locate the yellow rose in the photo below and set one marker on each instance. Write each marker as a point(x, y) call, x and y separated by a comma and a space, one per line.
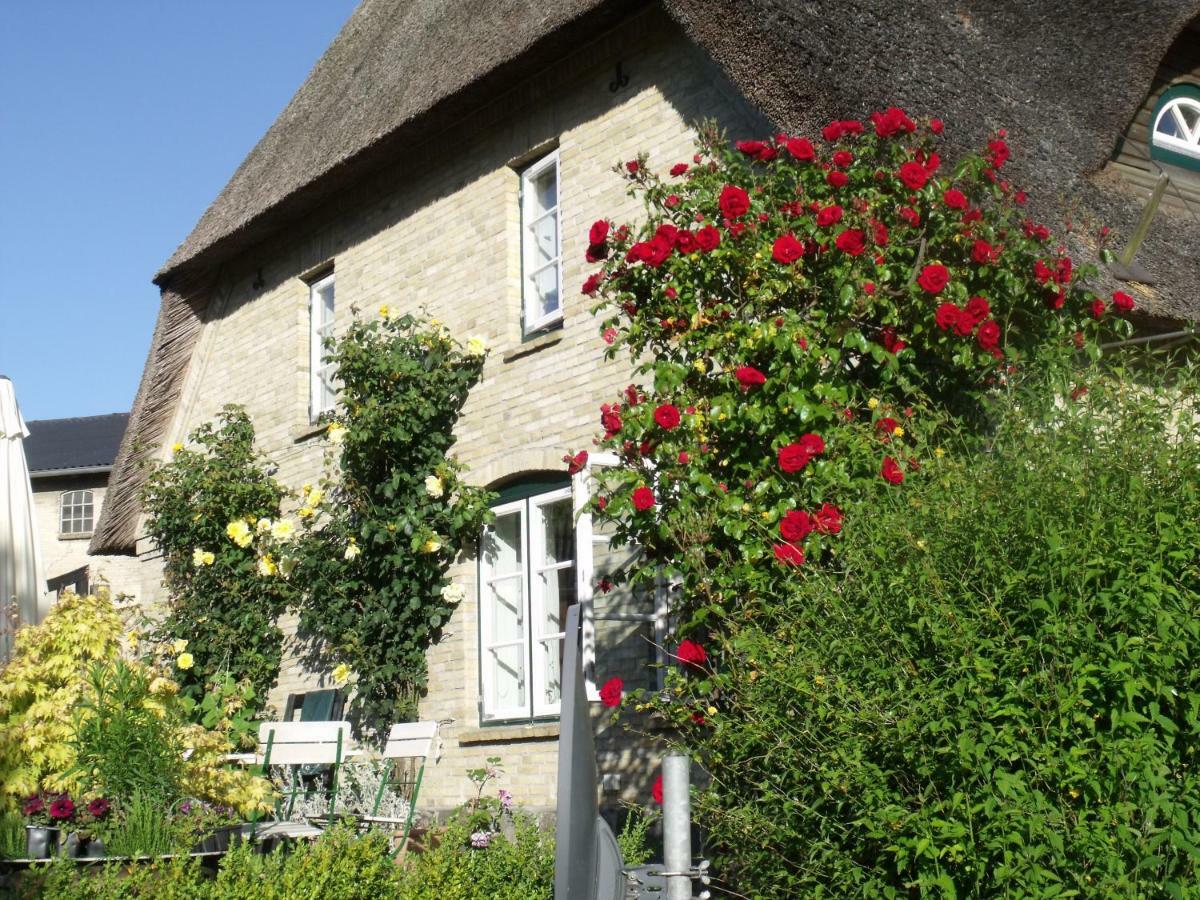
point(336, 433)
point(262, 526)
point(179, 645)
point(287, 565)
point(283, 530)
point(873, 403)
point(201, 558)
point(385, 311)
point(239, 532)
point(341, 673)
point(476, 346)
point(433, 545)
point(176, 447)
point(352, 550)
point(434, 486)
point(266, 566)
point(185, 661)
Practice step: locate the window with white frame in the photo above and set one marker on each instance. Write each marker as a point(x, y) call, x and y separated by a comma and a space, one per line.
point(1175, 133)
point(539, 556)
point(75, 512)
point(322, 390)
point(541, 245)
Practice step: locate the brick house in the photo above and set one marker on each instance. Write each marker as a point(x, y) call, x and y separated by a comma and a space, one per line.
point(450, 156)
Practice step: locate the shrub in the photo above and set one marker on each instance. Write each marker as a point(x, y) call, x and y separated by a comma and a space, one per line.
point(992, 688)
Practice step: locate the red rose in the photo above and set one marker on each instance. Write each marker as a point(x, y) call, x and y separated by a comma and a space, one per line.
point(836, 179)
point(892, 121)
point(751, 148)
point(851, 126)
point(610, 694)
point(1122, 302)
point(793, 458)
point(886, 425)
point(734, 201)
point(667, 416)
point(1062, 270)
point(936, 126)
point(932, 163)
point(749, 377)
point(999, 151)
point(934, 278)
point(596, 252)
point(598, 233)
point(829, 215)
point(989, 335)
point(631, 395)
point(869, 288)
point(632, 166)
point(1055, 299)
point(593, 283)
point(978, 308)
point(955, 199)
point(691, 654)
point(913, 175)
point(812, 444)
point(643, 499)
point(891, 471)
point(851, 241)
point(686, 243)
point(610, 419)
point(947, 314)
point(796, 525)
point(964, 324)
point(828, 519)
point(891, 341)
point(789, 554)
point(709, 238)
point(787, 249)
point(576, 463)
point(678, 169)
point(832, 131)
point(879, 233)
point(684, 459)
point(909, 215)
point(843, 158)
point(1097, 308)
point(983, 253)
point(801, 149)
point(656, 790)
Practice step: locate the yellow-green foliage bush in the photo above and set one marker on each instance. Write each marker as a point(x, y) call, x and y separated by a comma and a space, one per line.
point(45, 686)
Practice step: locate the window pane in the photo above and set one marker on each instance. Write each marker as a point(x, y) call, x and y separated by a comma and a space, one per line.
point(545, 241)
point(545, 285)
point(1167, 125)
point(558, 530)
point(326, 304)
point(507, 610)
point(551, 650)
point(502, 545)
point(508, 677)
point(545, 190)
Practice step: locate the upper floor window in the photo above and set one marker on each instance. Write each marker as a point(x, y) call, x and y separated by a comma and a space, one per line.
point(541, 245)
point(322, 391)
point(1175, 135)
point(75, 512)
point(540, 555)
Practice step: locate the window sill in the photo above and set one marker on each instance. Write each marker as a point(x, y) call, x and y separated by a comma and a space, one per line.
point(307, 431)
point(503, 734)
point(533, 345)
point(76, 536)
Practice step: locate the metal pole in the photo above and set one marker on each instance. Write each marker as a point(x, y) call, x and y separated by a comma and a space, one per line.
point(677, 826)
point(1143, 225)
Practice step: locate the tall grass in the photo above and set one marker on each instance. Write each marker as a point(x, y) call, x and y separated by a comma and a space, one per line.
point(143, 829)
point(12, 836)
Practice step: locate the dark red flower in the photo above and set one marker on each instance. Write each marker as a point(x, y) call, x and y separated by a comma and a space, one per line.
point(828, 519)
point(934, 278)
point(955, 199)
point(789, 554)
point(829, 215)
point(978, 308)
point(98, 808)
point(812, 444)
point(983, 253)
point(691, 654)
point(610, 694)
point(643, 499)
point(598, 233)
point(851, 241)
point(734, 201)
point(787, 249)
point(709, 238)
point(801, 149)
point(947, 314)
point(999, 151)
point(936, 126)
point(891, 471)
point(892, 121)
point(1062, 270)
point(576, 463)
point(913, 175)
point(33, 805)
point(793, 458)
point(886, 425)
point(832, 131)
point(989, 335)
point(964, 324)
point(909, 215)
point(596, 252)
point(633, 166)
point(62, 807)
point(632, 397)
point(592, 284)
point(749, 377)
point(843, 158)
point(879, 233)
point(796, 525)
point(891, 341)
point(836, 179)
point(657, 791)
point(610, 419)
point(686, 242)
point(678, 169)
point(1042, 272)
point(1122, 302)
point(1055, 299)
point(667, 416)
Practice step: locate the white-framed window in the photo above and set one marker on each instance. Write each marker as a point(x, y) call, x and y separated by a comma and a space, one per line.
point(322, 389)
point(541, 245)
point(540, 555)
point(75, 512)
point(1177, 126)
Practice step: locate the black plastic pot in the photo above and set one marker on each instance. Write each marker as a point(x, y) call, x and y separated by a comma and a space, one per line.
point(77, 847)
point(220, 840)
point(41, 842)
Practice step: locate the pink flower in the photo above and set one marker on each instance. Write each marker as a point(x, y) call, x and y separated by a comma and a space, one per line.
point(610, 335)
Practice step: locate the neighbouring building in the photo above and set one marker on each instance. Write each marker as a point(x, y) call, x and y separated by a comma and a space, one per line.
point(451, 155)
point(69, 464)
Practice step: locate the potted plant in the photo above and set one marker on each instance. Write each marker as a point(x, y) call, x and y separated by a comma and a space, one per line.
point(46, 816)
point(83, 842)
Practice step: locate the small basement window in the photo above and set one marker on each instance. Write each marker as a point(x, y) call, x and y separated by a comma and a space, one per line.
point(1175, 135)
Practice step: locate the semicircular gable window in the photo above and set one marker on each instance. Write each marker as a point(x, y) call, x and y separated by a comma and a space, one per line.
point(1175, 136)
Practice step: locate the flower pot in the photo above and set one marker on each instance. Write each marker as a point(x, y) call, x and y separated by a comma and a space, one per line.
point(219, 840)
point(78, 846)
point(41, 842)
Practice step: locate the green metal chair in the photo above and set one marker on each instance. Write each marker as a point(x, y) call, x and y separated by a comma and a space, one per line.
point(298, 744)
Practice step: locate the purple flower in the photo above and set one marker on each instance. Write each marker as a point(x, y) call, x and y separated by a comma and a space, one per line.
point(34, 805)
point(62, 807)
point(480, 839)
point(98, 808)
point(506, 799)
point(185, 807)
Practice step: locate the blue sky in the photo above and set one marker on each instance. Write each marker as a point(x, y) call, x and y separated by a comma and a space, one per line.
point(119, 123)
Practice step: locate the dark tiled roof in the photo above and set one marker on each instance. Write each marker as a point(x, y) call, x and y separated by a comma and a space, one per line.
point(83, 443)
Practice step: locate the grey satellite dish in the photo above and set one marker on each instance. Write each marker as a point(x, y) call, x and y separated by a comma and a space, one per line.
point(587, 860)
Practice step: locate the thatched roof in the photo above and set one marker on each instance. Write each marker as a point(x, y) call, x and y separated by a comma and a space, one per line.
point(1064, 79)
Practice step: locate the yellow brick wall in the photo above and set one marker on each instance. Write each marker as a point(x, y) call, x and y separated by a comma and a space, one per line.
point(440, 231)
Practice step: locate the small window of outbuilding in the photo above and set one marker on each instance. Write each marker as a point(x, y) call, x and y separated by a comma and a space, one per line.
point(1175, 127)
point(75, 510)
